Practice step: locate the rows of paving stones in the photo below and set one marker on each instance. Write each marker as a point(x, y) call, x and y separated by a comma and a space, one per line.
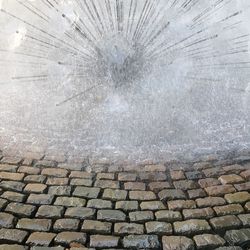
point(50, 205)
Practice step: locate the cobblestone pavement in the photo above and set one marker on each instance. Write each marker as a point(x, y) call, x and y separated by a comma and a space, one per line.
point(50, 205)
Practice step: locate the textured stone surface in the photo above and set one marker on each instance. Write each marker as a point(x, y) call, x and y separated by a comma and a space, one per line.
point(141, 241)
point(199, 213)
point(80, 212)
point(101, 241)
point(177, 243)
point(157, 227)
point(66, 238)
point(111, 215)
point(225, 222)
point(6, 220)
point(70, 201)
point(168, 216)
point(208, 241)
point(115, 194)
point(50, 211)
point(87, 192)
point(128, 228)
point(40, 239)
point(238, 237)
point(229, 209)
point(12, 235)
point(34, 224)
point(240, 197)
point(141, 216)
point(96, 226)
point(127, 205)
point(171, 194)
point(19, 209)
point(142, 195)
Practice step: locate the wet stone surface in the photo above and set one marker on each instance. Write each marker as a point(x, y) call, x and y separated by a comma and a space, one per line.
point(43, 206)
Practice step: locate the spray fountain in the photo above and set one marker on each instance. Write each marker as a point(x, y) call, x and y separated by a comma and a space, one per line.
point(141, 79)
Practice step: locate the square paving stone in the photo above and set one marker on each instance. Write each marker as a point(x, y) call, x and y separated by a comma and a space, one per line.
point(70, 201)
point(141, 216)
point(13, 196)
point(6, 220)
point(115, 194)
point(12, 235)
point(229, 209)
point(238, 237)
point(80, 212)
point(124, 228)
point(66, 225)
point(47, 211)
point(20, 209)
point(185, 184)
point(171, 194)
point(198, 213)
point(111, 215)
point(87, 192)
point(93, 226)
point(208, 241)
point(101, 241)
point(157, 227)
point(191, 227)
point(40, 239)
point(60, 190)
point(196, 193)
point(177, 243)
point(99, 203)
point(40, 199)
point(65, 238)
point(225, 222)
point(208, 182)
point(168, 216)
point(34, 224)
point(12, 185)
point(141, 242)
point(127, 205)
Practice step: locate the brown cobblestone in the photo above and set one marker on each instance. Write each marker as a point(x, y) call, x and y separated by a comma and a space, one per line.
point(196, 193)
point(134, 186)
point(46, 211)
point(35, 178)
point(100, 204)
point(114, 194)
point(11, 176)
point(141, 216)
point(246, 174)
point(6, 220)
point(34, 224)
point(198, 213)
point(70, 201)
point(208, 182)
point(154, 176)
point(40, 199)
point(20, 209)
point(40, 239)
point(142, 195)
point(177, 243)
point(13, 196)
point(171, 194)
point(245, 219)
point(225, 222)
point(65, 238)
point(233, 169)
point(177, 175)
point(230, 179)
point(156, 227)
point(57, 181)
point(220, 190)
point(158, 186)
point(181, 204)
point(111, 215)
point(87, 192)
point(127, 177)
point(243, 186)
point(185, 184)
point(168, 216)
point(105, 176)
point(208, 241)
point(240, 197)
point(213, 172)
point(190, 227)
point(12, 247)
point(96, 227)
point(102, 241)
point(152, 205)
point(12, 185)
point(210, 201)
point(60, 190)
point(247, 206)
point(238, 237)
point(29, 170)
point(83, 175)
point(35, 188)
point(229, 209)
point(127, 205)
point(8, 168)
point(12, 235)
point(107, 184)
point(66, 224)
point(128, 228)
point(81, 182)
point(80, 212)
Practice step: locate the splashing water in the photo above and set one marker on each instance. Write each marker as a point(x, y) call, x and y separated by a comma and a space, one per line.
point(131, 79)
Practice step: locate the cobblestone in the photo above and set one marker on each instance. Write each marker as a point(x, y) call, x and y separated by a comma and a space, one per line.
point(156, 207)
